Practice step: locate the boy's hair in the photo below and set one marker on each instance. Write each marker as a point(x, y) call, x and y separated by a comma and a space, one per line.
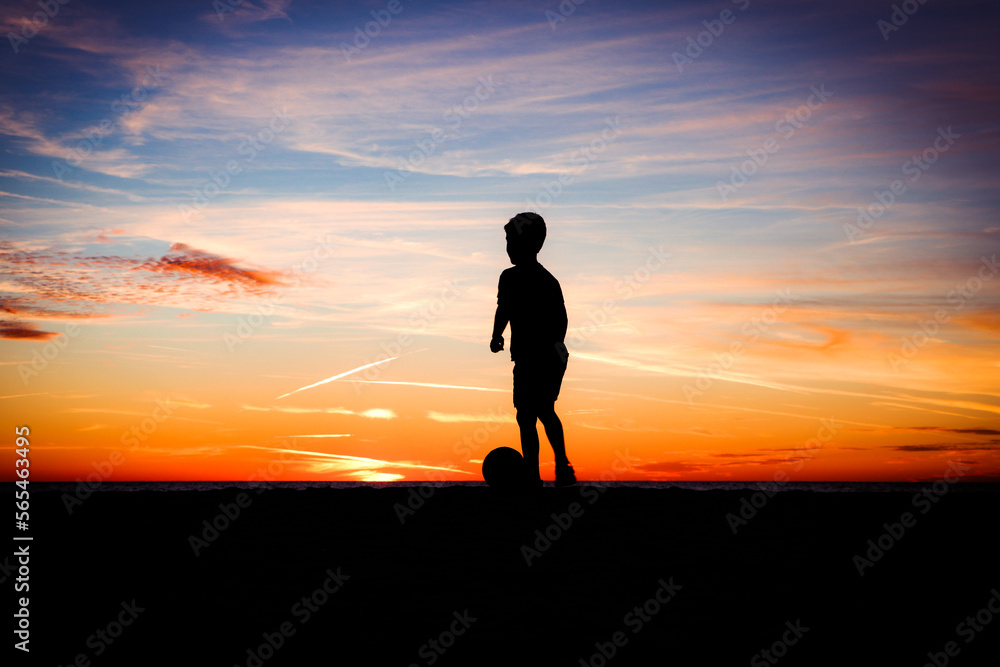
point(527, 228)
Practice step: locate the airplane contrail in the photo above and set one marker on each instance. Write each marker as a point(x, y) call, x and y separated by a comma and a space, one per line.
point(429, 384)
point(337, 377)
point(379, 463)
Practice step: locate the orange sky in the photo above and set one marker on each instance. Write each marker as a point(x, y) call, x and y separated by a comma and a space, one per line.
point(779, 258)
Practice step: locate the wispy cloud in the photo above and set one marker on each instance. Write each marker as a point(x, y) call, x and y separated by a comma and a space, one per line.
point(342, 463)
point(58, 284)
point(430, 385)
point(455, 418)
point(23, 331)
point(959, 431)
point(949, 447)
point(190, 262)
point(370, 413)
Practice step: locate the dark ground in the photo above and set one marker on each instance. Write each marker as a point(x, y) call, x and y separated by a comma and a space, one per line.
point(462, 552)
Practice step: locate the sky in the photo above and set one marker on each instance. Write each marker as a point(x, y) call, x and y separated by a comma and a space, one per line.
point(261, 240)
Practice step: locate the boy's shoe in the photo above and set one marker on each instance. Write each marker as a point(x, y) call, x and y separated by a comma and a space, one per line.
point(565, 476)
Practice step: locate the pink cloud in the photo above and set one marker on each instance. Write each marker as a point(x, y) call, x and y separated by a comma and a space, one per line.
point(183, 259)
point(52, 284)
point(23, 331)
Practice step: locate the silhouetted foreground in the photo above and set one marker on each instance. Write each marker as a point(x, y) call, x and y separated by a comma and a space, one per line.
point(640, 576)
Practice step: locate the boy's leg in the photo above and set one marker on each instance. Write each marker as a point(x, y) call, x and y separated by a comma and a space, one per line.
point(529, 442)
point(565, 475)
point(554, 432)
point(525, 402)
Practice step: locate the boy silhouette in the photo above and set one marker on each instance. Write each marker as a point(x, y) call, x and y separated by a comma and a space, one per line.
point(529, 297)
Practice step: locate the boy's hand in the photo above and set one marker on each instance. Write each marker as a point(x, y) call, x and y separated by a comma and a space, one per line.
point(496, 344)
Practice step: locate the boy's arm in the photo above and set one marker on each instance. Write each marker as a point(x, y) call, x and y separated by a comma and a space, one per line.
point(563, 321)
point(499, 325)
point(502, 316)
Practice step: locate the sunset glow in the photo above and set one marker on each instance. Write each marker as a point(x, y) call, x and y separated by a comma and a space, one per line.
point(250, 244)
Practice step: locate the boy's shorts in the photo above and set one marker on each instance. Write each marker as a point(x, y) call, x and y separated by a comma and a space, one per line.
point(537, 382)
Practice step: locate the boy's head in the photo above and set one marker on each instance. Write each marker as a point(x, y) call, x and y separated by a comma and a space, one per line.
point(525, 236)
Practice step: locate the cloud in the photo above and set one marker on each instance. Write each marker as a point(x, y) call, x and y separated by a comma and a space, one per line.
point(23, 331)
point(431, 385)
point(371, 413)
point(670, 467)
point(227, 13)
point(626, 424)
point(963, 431)
point(132, 413)
point(325, 462)
point(190, 403)
point(708, 433)
point(8, 173)
point(21, 306)
point(769, 462)
point(986, 320)
point(742, 459)
point(46, 283)
point(451, 417)
point(948, 447)
point(187, 261)
point(378, 413)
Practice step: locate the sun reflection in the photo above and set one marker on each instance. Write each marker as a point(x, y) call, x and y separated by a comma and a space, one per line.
point(376, 476)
